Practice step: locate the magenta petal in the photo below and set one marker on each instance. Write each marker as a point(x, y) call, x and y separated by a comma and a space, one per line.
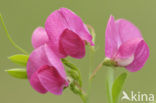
point(75, 24)
point(39, 37)
point(127, 30)
point(72, 44)
point(111, 38)
point(140, 57)
point(36, 84)
point(36, 60)
point(40, 57)
point(55, 61)
point(128, 48)
point(51, 80)
point(63, 19)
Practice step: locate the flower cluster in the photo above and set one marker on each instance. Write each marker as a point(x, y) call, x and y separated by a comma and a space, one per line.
point(64, 35)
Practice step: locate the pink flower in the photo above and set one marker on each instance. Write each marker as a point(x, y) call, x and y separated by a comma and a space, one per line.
point(65, 32)
point(45, 71)
point(125, 45)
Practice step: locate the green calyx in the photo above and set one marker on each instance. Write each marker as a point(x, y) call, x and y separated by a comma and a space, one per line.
point(110, 63)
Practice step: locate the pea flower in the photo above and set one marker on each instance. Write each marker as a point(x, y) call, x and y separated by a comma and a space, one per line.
point(45, 71)
point(65, 32)
point(125, 45)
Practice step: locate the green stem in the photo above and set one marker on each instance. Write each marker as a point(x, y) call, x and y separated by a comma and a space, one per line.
point(107, 62)
point(91, 64)
point(91, 60)
point(109, 84)
point(96, 70)
point(9, 37)
point(89, 90)
point(72, 66)
point(92, 31)
point(79, 85)
point(83, 98)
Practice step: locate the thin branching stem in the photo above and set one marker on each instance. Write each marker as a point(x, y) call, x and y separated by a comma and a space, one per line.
point(96, 70)
point(9, 37)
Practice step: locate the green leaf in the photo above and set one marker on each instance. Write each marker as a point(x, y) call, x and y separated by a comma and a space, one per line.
point(18, 73)
point(109, 83)
point(117, 87)
point(19, 59)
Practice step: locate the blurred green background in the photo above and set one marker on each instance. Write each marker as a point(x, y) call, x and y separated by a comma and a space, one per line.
point(23, 16)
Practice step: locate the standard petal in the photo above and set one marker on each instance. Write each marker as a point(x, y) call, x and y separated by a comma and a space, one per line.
point(51, 80)
point(72, 44)
point(127, 30)
point(55, 61)
point(63, 19)
point(111, 38)
point(40, 57)
point(36, 84)
point(76, 24)
point(140, 57)
point(39, 37)
point(54, 26)
point(37, 59)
